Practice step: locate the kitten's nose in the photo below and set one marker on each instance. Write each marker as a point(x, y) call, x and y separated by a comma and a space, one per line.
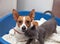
point(23, 28)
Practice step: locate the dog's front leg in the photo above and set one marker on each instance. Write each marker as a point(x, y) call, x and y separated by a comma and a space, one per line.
point(29, 41)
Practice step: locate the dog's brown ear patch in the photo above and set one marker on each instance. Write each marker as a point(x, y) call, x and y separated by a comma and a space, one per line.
point(15, 14)
point(32, 14)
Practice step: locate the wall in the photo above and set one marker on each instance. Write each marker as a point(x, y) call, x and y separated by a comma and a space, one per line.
point(39, 5)
point(6, 6)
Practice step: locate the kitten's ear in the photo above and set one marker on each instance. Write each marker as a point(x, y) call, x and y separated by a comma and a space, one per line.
point(35, 23)
point(33, 27)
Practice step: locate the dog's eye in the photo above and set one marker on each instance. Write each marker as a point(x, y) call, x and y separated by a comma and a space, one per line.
point(28, 22)
point(20, 21)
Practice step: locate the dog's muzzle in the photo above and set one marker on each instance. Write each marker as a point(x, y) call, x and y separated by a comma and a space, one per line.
point(23, 28)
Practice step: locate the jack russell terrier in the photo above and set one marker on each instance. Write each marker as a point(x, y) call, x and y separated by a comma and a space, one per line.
point(22, 24)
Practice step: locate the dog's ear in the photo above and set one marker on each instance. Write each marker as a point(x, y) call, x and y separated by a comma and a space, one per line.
point(15, 14)
point(32, 14)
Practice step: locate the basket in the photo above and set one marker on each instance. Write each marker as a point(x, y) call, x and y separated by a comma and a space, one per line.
point(7, 22)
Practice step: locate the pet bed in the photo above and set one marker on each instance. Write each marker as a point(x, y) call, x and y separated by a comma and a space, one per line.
point(7, 22)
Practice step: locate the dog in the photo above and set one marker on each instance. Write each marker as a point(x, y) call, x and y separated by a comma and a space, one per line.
point(43, 31)
point(22, 24)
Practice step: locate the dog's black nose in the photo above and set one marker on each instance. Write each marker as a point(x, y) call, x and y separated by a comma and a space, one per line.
point(23, 28)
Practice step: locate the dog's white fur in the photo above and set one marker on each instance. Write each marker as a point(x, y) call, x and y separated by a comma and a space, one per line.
point(23, 24)
point(11, 37)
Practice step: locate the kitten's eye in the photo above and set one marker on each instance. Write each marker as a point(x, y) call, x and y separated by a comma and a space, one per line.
point(28, 22)
point(20, 22)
